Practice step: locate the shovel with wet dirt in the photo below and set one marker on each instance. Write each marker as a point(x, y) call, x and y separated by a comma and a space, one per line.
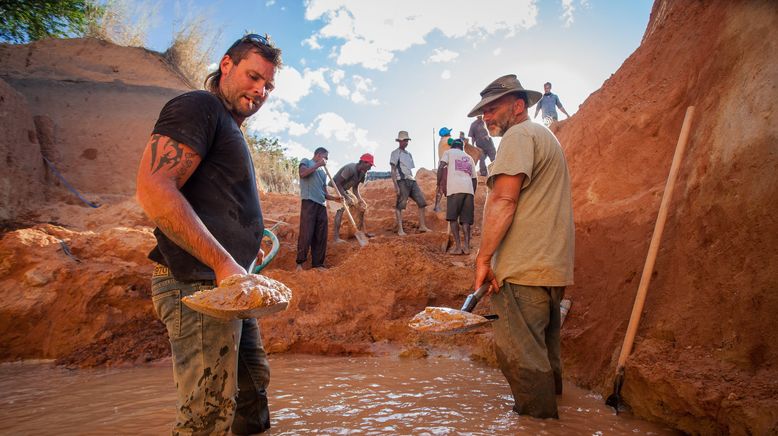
point(448, 321)
point(244, 296)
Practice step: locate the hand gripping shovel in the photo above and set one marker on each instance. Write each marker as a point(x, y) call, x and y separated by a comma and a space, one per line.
point(360, 235)
point(447, 321)
point(626, 348)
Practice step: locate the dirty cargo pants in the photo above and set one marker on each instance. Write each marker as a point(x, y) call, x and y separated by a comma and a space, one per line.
point(527, 341)
point(219, 367)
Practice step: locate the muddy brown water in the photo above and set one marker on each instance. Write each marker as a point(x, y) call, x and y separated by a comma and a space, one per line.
point(308, 394)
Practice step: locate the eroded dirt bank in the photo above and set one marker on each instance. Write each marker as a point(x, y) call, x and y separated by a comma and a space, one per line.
point(704, 358)
point(74, 280)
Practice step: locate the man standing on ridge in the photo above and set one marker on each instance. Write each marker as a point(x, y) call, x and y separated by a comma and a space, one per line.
point(526, 250)
point(196, 182)
point(349, 178)
point(482, 140)
point(548, 104)
point(405, 185)
point(313, 210)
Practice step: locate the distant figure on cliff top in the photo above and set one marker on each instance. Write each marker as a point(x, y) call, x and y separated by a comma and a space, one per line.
point(349, 177)
point(482, 140)
point(196, 182)
point(548, 104)
point(526, 251)
point(405, 185)
point(313, 210)
point(456, 173)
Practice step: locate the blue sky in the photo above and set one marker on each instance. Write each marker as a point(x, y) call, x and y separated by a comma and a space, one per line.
point(357, 71)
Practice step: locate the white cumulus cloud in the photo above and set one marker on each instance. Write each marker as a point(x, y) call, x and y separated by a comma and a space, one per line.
point(567, 12)
point(371, 33)
point(332, 126)
point(442, 55)
point(445, 75)
point(271, 120)
point(292, 86)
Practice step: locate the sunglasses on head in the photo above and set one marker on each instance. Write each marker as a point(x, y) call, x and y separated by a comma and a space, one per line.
point(253, 38)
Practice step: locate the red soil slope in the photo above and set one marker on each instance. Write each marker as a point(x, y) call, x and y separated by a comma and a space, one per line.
point(705, 357)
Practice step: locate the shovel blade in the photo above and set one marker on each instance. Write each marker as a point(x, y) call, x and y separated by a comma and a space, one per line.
point(361, 238)
point(614, 399)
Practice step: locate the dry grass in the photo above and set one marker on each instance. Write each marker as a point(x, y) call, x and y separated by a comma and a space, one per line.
point(192, 48)
point(122, 22)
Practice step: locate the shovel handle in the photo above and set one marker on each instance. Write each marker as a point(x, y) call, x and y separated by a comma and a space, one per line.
point(472, 300)
point(348, 213)
point(656, 238)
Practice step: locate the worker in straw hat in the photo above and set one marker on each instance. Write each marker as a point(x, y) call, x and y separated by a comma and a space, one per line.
point(348, 178)
point(526, 251)
point(405, 185)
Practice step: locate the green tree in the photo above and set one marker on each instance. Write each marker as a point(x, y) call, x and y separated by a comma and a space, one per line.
point(27, 20)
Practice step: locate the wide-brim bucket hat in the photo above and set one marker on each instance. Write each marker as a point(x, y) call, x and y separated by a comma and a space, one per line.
point(508, 84)
point(402, 135)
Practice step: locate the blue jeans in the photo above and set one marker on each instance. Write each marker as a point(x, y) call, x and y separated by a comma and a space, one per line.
point(219, 367)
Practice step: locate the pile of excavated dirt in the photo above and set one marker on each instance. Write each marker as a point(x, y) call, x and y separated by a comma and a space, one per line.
point(79, 290)
point(74, 281)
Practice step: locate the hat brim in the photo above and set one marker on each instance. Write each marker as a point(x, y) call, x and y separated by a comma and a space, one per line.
point(402, 139)
point(532, 98)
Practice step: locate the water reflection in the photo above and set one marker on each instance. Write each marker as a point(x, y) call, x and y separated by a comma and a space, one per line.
point(308, 394)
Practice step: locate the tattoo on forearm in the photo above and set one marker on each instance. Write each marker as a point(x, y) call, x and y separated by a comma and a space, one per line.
point(170, 153)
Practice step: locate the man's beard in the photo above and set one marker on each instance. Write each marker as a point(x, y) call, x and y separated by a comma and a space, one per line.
point(237, 108)
point(233, 106)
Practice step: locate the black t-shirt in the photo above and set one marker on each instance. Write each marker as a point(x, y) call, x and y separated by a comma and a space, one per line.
point(222, 190)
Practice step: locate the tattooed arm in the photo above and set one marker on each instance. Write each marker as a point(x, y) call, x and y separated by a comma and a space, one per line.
point(165, 166)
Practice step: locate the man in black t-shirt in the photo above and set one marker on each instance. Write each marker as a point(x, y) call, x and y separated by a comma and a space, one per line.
point(196, 183)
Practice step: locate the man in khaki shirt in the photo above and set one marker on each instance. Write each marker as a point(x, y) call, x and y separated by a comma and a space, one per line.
point(527, 246)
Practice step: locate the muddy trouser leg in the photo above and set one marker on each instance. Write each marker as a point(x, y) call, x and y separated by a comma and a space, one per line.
point(360, 217)
point(205, 351)
point(252, 415)
point(319, 242)
point(521, 336)
point(553, 336)
point(307, 226)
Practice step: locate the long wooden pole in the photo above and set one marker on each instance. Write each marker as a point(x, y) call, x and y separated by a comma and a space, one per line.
point(656, 238)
